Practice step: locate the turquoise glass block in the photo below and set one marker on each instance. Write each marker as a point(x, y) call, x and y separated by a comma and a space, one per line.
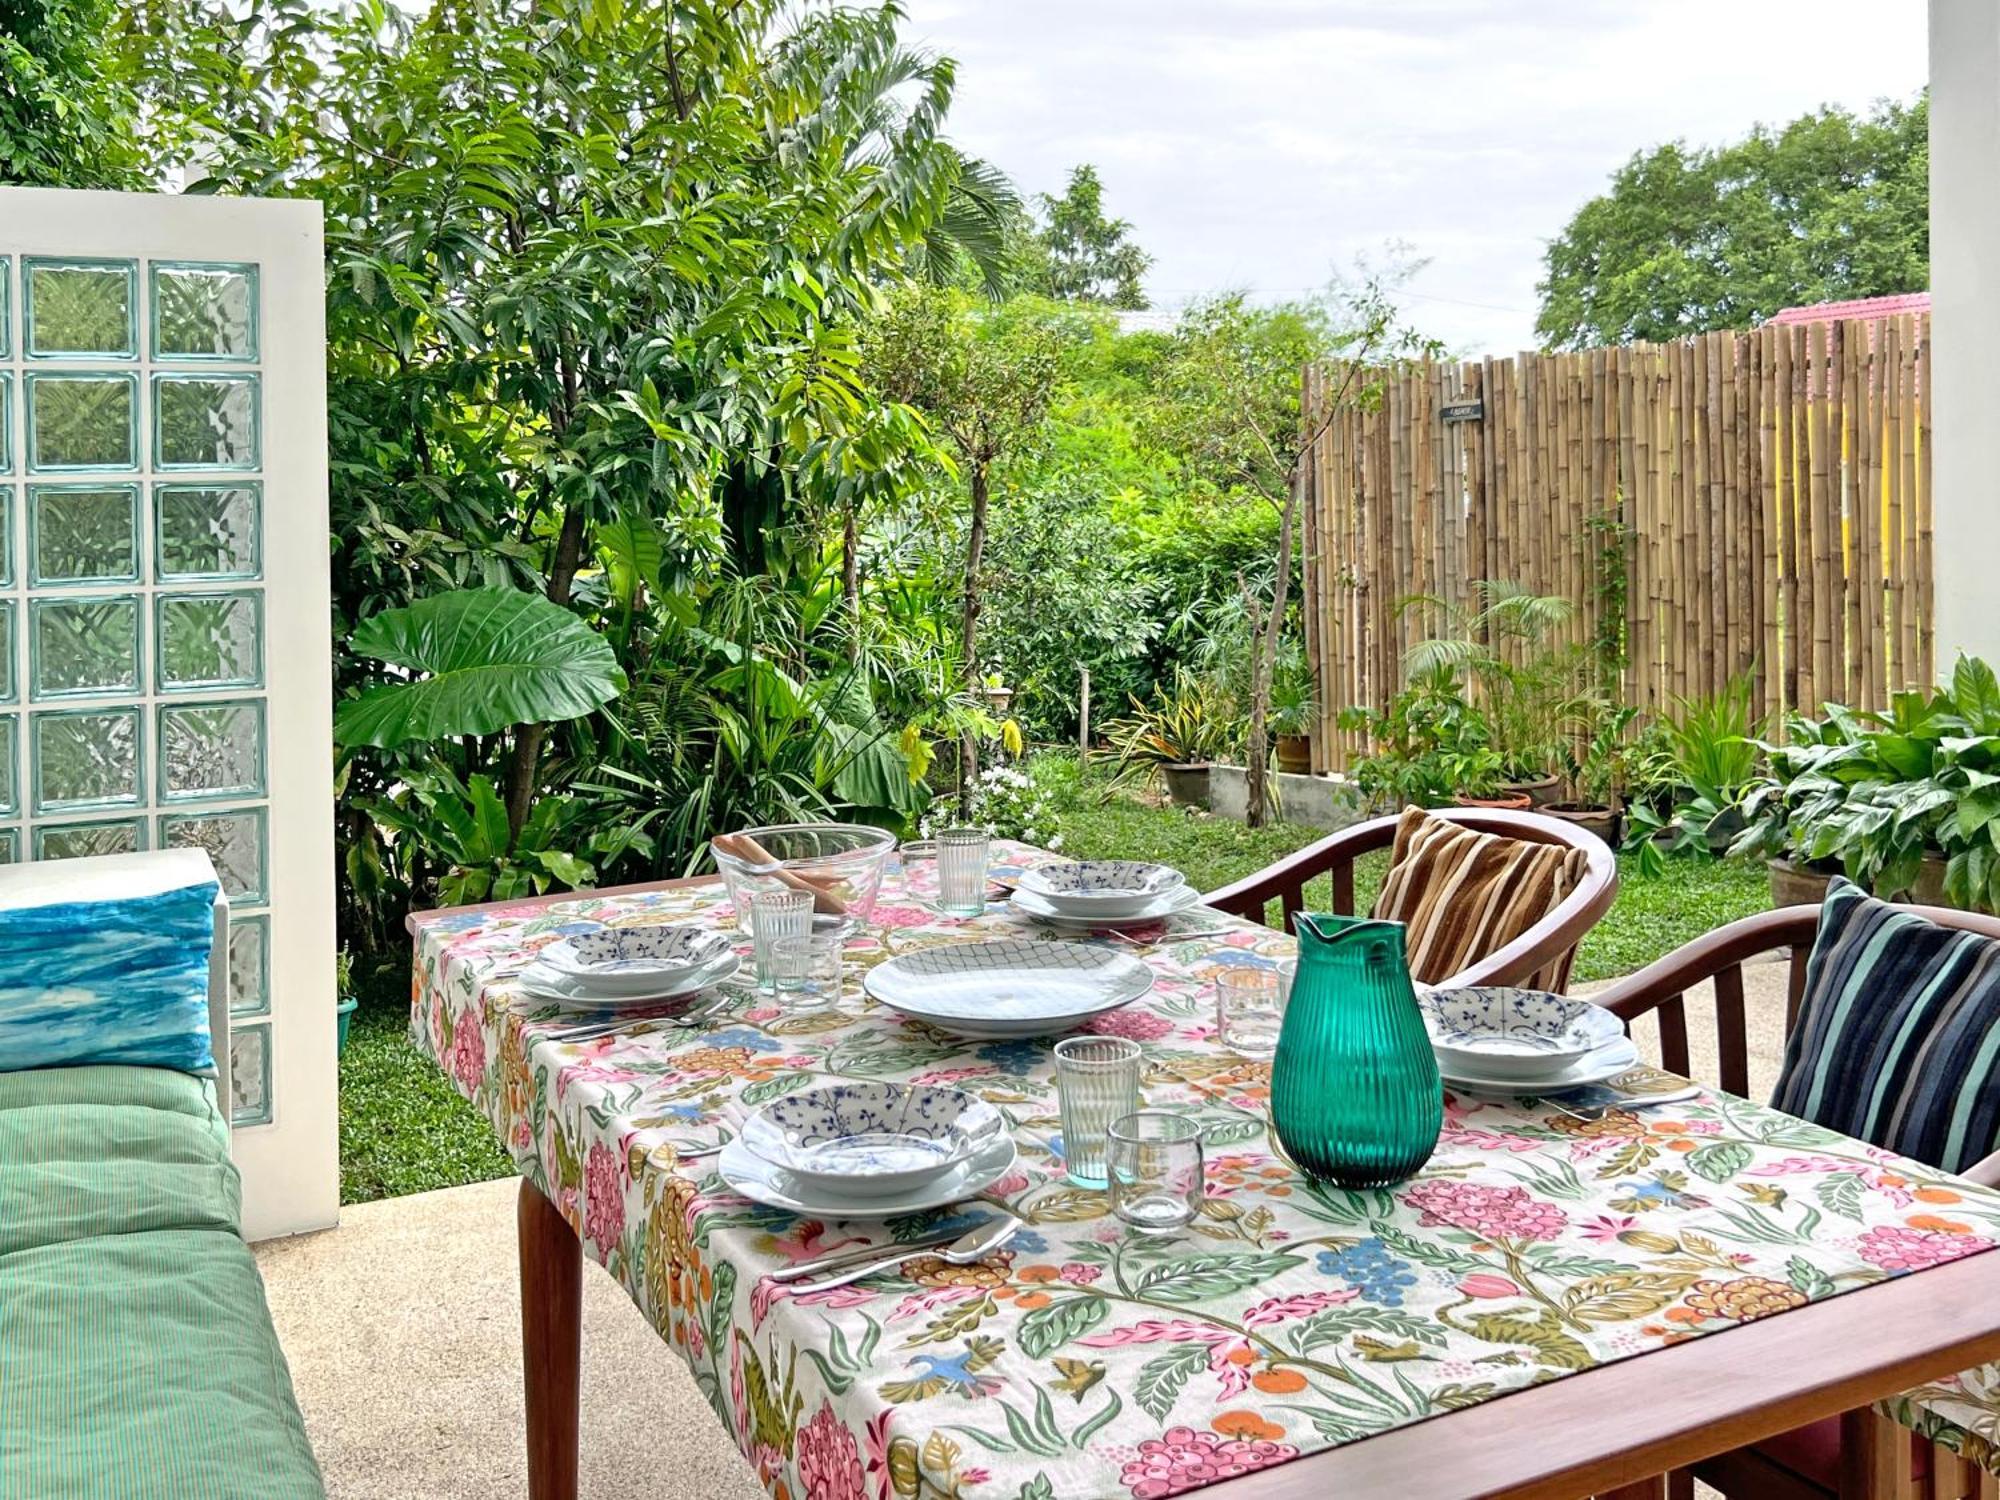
point(211, 750)
point(8, 688)
point(236, 842)
point(250, 966)
point(204, 310)
point(85, 758)
point(250, 1075)
point(10, 846)
point(8, 494)
point(208, 532)
point(205, 422)
point(81, 840)
point(82, 422)
point(83, 533)
point(6, 421)
point(83, 647)
point(208, 641)
point(80, 309)
point(6, 307)
point(10, 764)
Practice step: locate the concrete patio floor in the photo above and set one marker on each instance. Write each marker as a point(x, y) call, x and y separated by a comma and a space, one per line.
point(402, 1330)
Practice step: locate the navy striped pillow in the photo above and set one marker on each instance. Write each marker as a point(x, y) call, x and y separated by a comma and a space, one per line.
point(1898, 1038)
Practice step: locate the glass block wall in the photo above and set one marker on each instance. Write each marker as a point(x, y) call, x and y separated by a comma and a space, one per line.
point(132, 603)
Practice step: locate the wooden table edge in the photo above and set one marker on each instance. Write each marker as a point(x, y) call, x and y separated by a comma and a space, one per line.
point(1615, 1424)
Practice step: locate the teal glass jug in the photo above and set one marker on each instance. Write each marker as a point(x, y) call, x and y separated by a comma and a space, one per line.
point(1355, 1095)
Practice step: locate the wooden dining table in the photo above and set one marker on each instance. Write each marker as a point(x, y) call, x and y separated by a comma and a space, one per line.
point(1551, 1308)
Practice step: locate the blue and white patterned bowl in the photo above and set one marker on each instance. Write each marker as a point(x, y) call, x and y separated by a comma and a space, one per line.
point(1101, 887)
point(1503, 1032)
point(870, 1139)
point(621, 959)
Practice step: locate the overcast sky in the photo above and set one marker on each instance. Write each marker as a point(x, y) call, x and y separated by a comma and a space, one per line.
point(1260, 144)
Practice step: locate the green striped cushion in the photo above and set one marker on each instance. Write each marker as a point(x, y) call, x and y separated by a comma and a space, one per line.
point(1898, 1037)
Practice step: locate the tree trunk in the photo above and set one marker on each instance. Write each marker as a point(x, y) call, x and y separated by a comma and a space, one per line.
point(850, 577)
point(968, 630)
point(1263, 663)
point(524, 764)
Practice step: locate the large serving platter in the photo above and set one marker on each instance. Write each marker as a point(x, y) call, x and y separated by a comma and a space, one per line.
point(765, 1182)
point(1009, 987)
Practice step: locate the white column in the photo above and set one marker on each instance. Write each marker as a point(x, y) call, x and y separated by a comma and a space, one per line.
point(1965, 324)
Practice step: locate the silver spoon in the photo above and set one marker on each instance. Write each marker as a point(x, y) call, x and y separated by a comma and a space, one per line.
point(984, 1240)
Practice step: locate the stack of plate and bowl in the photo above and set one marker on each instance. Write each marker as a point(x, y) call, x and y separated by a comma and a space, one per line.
point(623, 968)
point(868, 1150)
point(1090, 894)
point(1500, 1040)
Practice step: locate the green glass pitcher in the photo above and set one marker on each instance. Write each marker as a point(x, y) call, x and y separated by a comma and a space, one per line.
point(1355, 1095)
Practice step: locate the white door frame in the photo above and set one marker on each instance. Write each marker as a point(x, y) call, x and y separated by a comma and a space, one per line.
point(290, 1164)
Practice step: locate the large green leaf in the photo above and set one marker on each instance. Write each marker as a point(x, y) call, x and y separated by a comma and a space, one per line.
point(489, 658)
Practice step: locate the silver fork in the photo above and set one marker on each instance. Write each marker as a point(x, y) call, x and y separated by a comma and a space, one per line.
point(590, 1031)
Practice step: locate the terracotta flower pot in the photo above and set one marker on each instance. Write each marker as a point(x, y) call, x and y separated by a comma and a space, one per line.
point(1796, 885)
point(1594, 817)
point(1505, 801)
point(1295, 754)
point(1187, 782)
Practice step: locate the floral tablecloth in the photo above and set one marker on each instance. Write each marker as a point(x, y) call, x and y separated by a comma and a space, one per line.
point(1080, 1361)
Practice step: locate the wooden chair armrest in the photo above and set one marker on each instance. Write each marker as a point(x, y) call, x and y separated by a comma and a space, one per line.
point(1286, 880)
point(1986, 1173)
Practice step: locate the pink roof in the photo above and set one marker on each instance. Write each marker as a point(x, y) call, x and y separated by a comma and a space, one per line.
point(1859, 307)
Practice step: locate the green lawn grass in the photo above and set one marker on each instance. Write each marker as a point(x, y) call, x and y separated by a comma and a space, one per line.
point(403, 1129)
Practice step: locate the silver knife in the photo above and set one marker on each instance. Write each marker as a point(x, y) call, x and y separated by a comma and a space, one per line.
point(980, 1242)
point(855, 1254)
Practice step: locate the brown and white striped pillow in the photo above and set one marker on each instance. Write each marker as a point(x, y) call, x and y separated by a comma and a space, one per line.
point(1465, 894)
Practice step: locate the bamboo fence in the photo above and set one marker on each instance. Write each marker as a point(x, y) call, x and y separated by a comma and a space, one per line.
point(1736, 504)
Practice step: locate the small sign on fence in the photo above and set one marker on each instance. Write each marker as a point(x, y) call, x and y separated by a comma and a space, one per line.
point(1470, 409)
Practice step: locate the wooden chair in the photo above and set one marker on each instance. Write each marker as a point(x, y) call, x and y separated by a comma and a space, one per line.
point(1544, 943)
point(1862, 1453)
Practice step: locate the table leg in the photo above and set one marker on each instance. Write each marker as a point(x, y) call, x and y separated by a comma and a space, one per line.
point(551, 1343)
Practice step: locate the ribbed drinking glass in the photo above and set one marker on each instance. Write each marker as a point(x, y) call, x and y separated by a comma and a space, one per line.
point(1097, 1081)
point(773, 915)
point(961, 862)
point(808, 971)
point(1249, 1009)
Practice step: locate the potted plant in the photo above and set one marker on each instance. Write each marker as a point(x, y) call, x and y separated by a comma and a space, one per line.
point(1593, 768)
point(1430, 747)
point(343, 988)
point(1176, 741)
point(1703, 757)
point(1293, 710)
point(996, 693)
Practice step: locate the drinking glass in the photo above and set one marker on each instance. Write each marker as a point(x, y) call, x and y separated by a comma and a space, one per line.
point(775, 915)
point(1097, 1081)
point(1249, 1010)
point(807, 970)
point(920, 871)
point(1155, 1161)
point(961, 867)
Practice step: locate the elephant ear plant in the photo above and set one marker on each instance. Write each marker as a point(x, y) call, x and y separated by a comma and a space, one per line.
point(463, 665)
point(1879, 794)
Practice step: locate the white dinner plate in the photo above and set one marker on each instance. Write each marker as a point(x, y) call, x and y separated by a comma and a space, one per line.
point(1009, 987)
point(538, 982)
point(1159, 909)
point(1607, 1061)
point(763, 1182)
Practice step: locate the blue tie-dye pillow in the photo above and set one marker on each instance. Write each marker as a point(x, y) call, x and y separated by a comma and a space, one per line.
point(122, 981)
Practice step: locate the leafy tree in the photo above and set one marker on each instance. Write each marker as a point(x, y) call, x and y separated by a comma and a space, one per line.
point(985, 381)
point(1090, 258)
point(67, 104)
point(1229, 398)
point(1831, 206)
